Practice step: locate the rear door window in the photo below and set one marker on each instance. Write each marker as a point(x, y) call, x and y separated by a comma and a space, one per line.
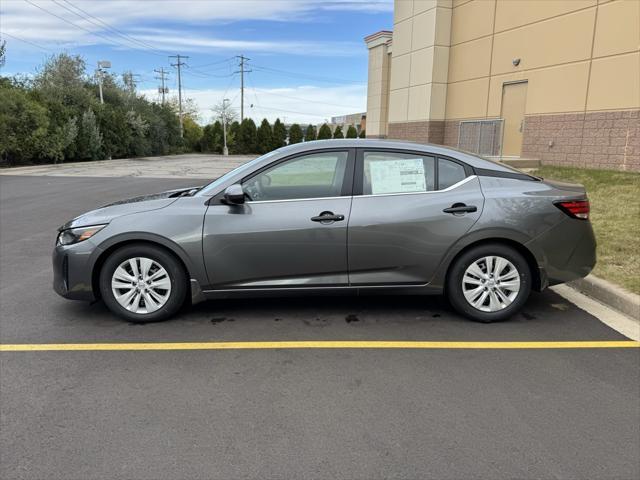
point(449, 173)
point(389, 173)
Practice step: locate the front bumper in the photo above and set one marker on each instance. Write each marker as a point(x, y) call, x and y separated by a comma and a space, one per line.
point(72, 270)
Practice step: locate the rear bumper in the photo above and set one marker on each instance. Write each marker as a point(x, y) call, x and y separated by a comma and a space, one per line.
point(569, 251)
point(72, 271)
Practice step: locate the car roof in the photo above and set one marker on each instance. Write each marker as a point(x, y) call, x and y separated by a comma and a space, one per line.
point(466, 157)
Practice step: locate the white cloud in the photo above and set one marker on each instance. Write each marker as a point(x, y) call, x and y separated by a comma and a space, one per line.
point(27, 21)
point(185, 41)
point(303, 104)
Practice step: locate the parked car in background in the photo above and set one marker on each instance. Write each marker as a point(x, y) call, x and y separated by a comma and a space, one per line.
point(336, 217)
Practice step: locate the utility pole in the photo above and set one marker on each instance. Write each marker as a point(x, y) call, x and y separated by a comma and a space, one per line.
point(129, 79)
point(242, 71)
point(102, 64)
point(178, 64)
point(163, 76)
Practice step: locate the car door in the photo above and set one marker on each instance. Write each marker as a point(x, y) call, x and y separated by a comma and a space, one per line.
point(408, 209)
point(292, 229)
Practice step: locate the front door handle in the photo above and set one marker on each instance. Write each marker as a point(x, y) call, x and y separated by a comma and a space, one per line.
point(460, 208)
point(327, 217)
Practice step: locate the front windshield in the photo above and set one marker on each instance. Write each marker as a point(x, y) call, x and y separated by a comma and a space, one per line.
point(213, 186)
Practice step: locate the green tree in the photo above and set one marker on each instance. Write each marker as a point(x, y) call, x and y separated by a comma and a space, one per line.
point(63, 100)
point(264, 137)
point(23, 127)
point(212, 140)
point(310, 133)
point(89, 140)
point(279, 134)
point(337, 133)
point(363, 133)
point(140, 142)
point(192, 134)
point(295, 134)
point(233, 132)
point(61, 84)
point(352, 132)
point(247, 137)
point(325, 132)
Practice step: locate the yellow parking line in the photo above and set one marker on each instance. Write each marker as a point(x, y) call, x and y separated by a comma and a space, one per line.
point(48, 347)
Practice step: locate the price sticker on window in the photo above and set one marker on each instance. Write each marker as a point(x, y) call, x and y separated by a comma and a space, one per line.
point(397, 176)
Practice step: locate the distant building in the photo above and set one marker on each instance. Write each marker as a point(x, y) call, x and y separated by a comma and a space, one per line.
point(358, 120)
point(555, 80)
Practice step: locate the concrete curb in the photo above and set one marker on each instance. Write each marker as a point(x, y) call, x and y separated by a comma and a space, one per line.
point(611, 295)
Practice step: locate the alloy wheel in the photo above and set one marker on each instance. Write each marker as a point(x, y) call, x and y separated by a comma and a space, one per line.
point(141, 285)
point(491, 283)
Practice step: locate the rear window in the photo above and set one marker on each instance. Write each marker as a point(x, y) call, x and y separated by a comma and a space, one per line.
point(449, 173)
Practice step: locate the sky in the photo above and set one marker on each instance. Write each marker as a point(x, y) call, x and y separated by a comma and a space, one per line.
point(308, 60)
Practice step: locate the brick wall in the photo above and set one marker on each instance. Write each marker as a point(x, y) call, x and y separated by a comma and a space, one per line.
point(451, 131)
point(425, 132)
point(608, 140)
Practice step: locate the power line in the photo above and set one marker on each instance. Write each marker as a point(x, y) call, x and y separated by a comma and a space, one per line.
point(74, 24)
point(254, 91)
point(114, 29)
point(224, 95)
point(267, 92)
point(336, 81)
point(201, 74)
point(94, 23)
point(110, 40)
point(213, 63)
point(293, 111)
point(27, 41)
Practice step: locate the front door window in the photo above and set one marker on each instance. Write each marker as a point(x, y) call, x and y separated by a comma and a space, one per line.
point(318, 175)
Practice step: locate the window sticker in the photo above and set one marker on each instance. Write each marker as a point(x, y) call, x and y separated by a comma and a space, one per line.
point(397, 176)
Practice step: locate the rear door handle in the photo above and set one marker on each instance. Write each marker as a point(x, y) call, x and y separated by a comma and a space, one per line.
point(460, 208)
point(327, 217)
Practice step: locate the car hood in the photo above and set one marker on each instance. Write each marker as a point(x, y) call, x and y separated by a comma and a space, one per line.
point(139, 204)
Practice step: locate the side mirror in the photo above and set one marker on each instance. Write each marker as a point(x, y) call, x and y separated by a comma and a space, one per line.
point(234, 195)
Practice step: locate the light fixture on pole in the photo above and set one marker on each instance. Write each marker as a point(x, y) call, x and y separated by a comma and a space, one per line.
point(102, 64)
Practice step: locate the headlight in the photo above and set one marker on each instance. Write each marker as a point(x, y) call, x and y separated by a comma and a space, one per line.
point(75, 235)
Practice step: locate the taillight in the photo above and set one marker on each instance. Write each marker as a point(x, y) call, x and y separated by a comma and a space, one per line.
point(575, 208)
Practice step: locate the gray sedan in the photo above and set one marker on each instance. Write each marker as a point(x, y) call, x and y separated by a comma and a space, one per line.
point(334, 217)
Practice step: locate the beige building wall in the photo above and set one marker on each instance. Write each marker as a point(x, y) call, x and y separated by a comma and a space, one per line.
point(580, 59)
point(379, 45)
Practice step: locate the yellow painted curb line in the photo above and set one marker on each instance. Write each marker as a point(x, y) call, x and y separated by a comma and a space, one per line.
point(48, 347)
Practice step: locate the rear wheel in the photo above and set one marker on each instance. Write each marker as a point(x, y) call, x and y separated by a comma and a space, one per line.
point(143, 283)
point(489, 283)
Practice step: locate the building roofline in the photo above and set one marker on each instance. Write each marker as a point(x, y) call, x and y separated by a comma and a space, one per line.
point(380, 34)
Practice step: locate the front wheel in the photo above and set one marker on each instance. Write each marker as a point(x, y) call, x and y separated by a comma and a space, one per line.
point(489, 283)
point(143, 283)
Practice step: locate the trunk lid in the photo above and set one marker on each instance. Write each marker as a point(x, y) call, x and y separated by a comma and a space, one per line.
point(572, 189)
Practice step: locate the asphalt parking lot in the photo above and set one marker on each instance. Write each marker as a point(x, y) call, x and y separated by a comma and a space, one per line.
point(293, 413)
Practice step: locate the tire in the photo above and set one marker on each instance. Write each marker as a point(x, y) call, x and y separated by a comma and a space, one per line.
point(160, 293)
point(501, 300)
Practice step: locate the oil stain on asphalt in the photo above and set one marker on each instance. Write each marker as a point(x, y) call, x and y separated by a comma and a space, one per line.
point(216, 320)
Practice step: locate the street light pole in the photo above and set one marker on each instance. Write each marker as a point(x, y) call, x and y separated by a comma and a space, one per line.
point(101, 64)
